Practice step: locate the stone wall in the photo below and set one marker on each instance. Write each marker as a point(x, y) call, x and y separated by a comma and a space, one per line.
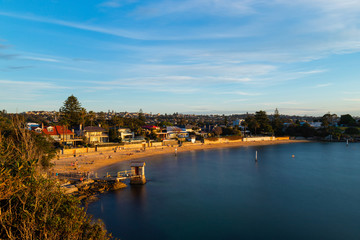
point(76, 151)
point(257, 139)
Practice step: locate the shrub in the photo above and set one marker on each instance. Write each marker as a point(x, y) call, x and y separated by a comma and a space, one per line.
point(33, 206)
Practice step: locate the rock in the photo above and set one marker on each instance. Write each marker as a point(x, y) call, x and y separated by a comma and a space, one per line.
point(69, 189)
point(118, 185)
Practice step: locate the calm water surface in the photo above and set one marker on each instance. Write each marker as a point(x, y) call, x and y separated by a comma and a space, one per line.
point(223, 194)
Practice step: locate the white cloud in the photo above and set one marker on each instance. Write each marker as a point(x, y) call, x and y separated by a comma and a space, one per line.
point(239, 93)
point(322, 85)
point(200, 7)
point(41, 59)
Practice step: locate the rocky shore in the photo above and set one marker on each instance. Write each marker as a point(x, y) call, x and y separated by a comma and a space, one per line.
point(87, 190)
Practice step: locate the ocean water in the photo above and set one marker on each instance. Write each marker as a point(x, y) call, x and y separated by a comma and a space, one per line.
point(224, 194)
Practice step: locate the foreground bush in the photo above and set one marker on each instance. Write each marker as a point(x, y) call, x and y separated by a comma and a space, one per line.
point(32, 206)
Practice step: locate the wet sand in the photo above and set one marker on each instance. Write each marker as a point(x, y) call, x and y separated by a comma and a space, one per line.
point(95, 161)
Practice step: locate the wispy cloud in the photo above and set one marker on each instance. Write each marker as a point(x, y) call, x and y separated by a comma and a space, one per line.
point(211, 7)
point(28, 84)
point(352, 99)
point(142, 34)
point(104, 30)
point(239, 93)
point(322, 85)
point(14, 68)
point(8, 56)
point(16, 91)
point(116, 3)
point(82, 60)
point(111, 4)
point(41, 59)
point(2, 46)
point(236, 100)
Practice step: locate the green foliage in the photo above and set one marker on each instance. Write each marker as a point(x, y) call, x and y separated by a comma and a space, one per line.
point(304, 130)
point(165, 124)
point(259, 123)
point(44, 149)
point(33, 206)
point(328, 119)
point(141, 116)
point(114, 135)
point(264, 122)
point(217, 131)
point(277, 123)
point(72, 114)
point(352, 131)
point(153, 135)
point(230, 131)
point(347, 120)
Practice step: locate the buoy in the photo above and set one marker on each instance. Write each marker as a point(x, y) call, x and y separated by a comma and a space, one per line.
point(255, 155)
point(293, 156)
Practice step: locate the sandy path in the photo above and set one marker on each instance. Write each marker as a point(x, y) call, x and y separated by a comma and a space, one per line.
point(92, 162)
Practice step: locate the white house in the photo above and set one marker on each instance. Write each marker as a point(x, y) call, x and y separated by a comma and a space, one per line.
point(126, 134)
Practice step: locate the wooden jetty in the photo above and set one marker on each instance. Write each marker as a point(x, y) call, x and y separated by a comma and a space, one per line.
point(136, 175)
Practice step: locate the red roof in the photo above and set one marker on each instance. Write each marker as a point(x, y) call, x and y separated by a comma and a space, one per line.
point(150, 127)
point(57, 130)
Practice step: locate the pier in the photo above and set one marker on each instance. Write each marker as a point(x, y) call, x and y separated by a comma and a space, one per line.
point(136, 174)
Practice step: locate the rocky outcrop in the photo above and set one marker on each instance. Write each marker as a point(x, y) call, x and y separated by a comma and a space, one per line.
point(88, 189)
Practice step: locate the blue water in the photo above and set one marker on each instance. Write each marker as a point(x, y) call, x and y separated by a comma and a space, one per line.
point(224, 194)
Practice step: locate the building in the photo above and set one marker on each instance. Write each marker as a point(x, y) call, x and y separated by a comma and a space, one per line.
point(96, 134)
point(238, 122)
point(60, 134)
point(176, 132)
point(126, 134)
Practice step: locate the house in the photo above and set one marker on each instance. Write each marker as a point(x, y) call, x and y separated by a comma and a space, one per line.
point(316, 125)
point(151, 127)
point(176, 132)
point(238, 122)
point(126, 134)
point(96, 134)
point(31, 126)
point(59, 133)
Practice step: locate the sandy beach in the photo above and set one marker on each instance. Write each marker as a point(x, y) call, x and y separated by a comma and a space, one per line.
point(95, 161)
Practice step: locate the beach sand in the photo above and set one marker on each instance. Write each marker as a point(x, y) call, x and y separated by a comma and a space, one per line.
point(95, 161)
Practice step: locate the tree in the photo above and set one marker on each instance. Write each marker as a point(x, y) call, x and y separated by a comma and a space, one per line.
point(141, 116)
point(218, 131)
point(33, 206)
point(252, 124)
point(226, 121)
point(347, 120)
point(328, 119)
point(245, 125)
point(101, 118)
point(72, 114)
point(277, 123)
point(90, 117)
point(352, 131)
point(264, 122)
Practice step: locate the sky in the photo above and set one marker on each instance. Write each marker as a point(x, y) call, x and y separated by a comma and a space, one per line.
point(188, 56)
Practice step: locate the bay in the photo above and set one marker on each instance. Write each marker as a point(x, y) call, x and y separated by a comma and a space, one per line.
point(224, 194)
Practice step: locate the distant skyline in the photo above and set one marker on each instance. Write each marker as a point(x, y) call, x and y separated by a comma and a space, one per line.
point(187, 56)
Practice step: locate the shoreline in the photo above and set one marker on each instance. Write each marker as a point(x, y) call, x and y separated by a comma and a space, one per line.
point(95, 162)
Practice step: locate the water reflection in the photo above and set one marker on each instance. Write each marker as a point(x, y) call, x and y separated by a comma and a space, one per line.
point(225, 194)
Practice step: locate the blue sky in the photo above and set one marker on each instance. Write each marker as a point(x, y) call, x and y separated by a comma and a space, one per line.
point(189, 56)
